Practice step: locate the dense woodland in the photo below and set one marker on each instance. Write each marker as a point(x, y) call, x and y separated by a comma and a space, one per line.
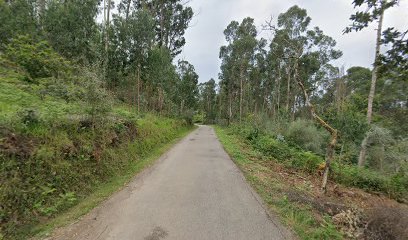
point(99, 65)
point(132, 50)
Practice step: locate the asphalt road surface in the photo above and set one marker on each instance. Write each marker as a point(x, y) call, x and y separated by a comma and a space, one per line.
point(193, 192)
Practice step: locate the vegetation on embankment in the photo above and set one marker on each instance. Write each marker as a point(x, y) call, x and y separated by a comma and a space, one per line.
point(293, 156)
point(297, 217)
point(61, 139)
point(288, 179)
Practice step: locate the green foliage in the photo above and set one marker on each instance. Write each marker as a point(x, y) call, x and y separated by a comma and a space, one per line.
point(198, 117)
point(62, 134)
point(395, 185)
point(305, 134)
point(208, 100)
point(62, 165)
point(16, 18)
point(71, 28)
point(172, 19)
point(29, 116)
point(351, 124)
point(307, 161)
point(97, 99)
point(37, 58)
point(131, 38)
point(270, 146)
point(160, 70)
point(187, 90)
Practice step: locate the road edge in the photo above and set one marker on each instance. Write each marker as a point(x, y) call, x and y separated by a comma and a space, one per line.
point(286, 232)
point(73, 215)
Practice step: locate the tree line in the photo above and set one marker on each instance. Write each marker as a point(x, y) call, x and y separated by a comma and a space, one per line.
point(130, 44)
point(292, 77)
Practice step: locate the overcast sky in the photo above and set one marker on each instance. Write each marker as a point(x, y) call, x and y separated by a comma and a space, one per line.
point(205, 36)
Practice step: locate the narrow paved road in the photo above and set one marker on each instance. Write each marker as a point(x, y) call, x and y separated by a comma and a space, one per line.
point(193, 192)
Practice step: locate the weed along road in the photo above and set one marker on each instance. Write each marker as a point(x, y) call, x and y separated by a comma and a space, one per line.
point(193, 192)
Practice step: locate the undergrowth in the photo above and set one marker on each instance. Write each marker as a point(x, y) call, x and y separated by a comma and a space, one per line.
point(293, 156)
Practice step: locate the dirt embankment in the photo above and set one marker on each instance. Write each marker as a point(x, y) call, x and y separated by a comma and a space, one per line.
point(358, 214)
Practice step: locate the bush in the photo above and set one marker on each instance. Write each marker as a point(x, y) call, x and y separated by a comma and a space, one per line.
point(307, 161)
point(37, 58)
point(306, 135)
point(395, 185)
point(29, 116)
point(272, 147)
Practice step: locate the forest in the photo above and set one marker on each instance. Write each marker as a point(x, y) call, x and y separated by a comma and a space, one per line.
point(87, 85)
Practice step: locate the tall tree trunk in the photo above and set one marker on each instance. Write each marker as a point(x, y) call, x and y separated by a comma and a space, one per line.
point(288, 91)
point(181, 107)
point(219, 105)
point(161, 24)
point(107, 27)
point(138, 88)
point(106, 13)
point(128, 8)
point(241, 79)
point(230, 109)
point(363, 150)
point(41, 11)
point(277, 86)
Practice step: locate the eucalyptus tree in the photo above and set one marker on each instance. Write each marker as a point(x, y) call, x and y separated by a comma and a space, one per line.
point(172, 18)
point(208, 100)
point(257, 86)
point(71, 29)
point(306, 54)
point(361, 19)
point(186, 91)
point(160, 78)
point(237, 59)
point(17, 18)
point(132, 36)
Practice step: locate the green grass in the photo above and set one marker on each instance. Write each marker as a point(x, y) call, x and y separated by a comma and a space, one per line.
point(298, 217)
point(17, 95)
point(87, 182)
point(104, 190)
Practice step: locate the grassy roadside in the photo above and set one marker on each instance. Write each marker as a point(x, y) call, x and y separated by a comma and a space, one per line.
point(103, 191)
point(274, 190)
point(65, 145)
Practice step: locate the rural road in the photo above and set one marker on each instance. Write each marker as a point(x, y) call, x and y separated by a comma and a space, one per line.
point(193, 192)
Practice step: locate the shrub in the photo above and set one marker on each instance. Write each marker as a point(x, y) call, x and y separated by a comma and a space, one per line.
point(199, 117)
point(29, 116)
point(307, 136)
point(307, 161)
point(97, 99)
point(396, 185)
point(37, 58)
point(272, 147)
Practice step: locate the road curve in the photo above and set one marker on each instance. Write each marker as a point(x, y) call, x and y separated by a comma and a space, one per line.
point(193, 192)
